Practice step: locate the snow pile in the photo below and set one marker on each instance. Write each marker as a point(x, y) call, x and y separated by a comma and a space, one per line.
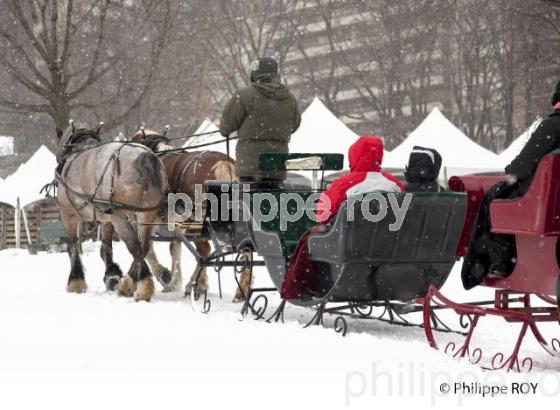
point(517, 145)
point(458, 151)
point(29, 178)
point(212, 135)
point(6, 146)
point(322, 132)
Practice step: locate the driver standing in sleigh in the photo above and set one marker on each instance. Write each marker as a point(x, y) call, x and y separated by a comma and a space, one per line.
point(265, 114)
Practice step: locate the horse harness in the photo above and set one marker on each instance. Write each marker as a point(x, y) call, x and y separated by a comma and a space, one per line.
point(193, 162)
point(100, 205)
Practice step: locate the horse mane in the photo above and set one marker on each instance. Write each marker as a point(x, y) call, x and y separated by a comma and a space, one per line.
point(82, 136)
point(73, 142)
point(150, 139)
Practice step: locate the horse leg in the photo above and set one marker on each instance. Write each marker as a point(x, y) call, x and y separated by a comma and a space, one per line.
point(245, 280)
point(162, 274)
point(177, 276)
point(76, 279)
point(113, 273)
point(204, 249)
point(145, 289)
point(138, 281)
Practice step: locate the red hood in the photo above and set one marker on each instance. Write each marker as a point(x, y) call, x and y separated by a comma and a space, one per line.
point(366, 154)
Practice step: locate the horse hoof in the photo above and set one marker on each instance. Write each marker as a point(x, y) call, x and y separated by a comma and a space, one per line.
point(189, 292)
point(144, 290)
point(188, 289)
point(166, 276)
point(172, 287)
point(111, 282)
point(197, 291)
point(195, 294)
point(240, 295)
point(126, 287)
point(76, 286)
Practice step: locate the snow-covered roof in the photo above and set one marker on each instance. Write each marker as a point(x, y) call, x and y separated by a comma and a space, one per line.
point(6, 146)
point(322, 132)
point(208, 126)
point(29, 178)
point(509, 154)
point(457, 150)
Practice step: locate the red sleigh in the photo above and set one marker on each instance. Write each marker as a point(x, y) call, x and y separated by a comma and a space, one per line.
point(534, 219)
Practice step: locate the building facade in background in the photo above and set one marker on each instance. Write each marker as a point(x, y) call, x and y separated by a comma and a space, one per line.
point(381, 65)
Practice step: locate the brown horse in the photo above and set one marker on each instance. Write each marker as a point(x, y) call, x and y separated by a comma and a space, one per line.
point(185, 171)
point(123, 187)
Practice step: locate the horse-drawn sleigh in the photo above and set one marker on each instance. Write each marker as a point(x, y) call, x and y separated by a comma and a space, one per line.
point(364, 265)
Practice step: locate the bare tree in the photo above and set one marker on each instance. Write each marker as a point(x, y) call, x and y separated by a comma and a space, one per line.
point(319, 77)
point(238, 31)
point(63, 53)
point(392, 63)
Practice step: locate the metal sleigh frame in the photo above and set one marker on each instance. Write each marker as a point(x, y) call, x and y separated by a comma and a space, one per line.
point(257, 303)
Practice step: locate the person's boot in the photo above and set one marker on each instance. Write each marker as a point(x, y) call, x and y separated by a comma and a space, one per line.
point(498, 271)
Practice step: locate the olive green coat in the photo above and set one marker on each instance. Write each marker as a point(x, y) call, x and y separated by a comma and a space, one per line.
point(265, 115)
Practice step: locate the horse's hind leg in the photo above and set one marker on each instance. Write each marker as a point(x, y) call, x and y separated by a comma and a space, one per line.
point(113, 273)
point(176, 275)
point(246, 279)
point(203, 248)
point(162, 274)
point(76, 279)
point(138, 281)
point(145, 289)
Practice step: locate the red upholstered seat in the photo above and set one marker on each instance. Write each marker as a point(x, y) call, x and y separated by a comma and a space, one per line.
point(534, 219)
point(538, 211)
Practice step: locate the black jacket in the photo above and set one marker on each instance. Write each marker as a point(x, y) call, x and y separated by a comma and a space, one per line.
point(544, 140)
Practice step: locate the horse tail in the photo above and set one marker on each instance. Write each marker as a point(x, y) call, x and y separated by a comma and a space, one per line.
point(225, 171)
point(150, 170)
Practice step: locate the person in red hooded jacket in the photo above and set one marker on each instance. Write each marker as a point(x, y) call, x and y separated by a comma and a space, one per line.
point(365, 157)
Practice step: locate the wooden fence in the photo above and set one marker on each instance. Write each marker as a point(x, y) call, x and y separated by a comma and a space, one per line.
point(36, 214)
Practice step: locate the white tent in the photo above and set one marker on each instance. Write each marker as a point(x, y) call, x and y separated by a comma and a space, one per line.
point(212, 135)
point(6, 146)
point(460, 154)
point(322, 132)
point(517, 145)
point(29, 178)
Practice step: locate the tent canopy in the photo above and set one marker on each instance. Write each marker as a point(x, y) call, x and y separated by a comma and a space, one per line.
point(457, 150)
point(517, 145)
point(322, 132)
point(29, 178)
point(6, 146)
point(209, 126)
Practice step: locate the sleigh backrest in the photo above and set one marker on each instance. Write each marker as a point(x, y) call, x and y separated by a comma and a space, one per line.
point(429, 232)
point(538, 211)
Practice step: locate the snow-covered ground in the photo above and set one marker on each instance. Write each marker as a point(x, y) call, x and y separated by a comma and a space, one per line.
point(97, 350)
